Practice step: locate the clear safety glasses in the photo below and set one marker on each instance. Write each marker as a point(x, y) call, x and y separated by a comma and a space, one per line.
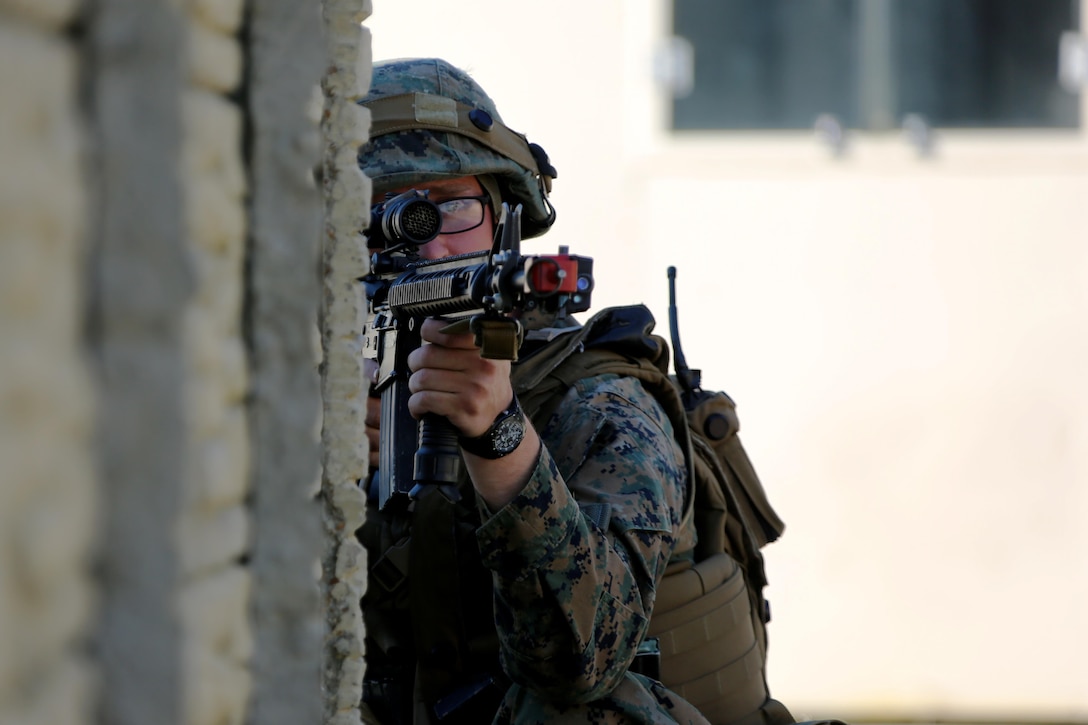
point(462, 213)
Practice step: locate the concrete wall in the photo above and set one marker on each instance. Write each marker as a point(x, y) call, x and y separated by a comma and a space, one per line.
point(48, 488)
point(161, 248)
point(344, 389)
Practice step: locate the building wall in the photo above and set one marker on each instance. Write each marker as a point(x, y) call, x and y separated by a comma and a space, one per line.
point(345, 388)
point(49, 495)
point(162, 552)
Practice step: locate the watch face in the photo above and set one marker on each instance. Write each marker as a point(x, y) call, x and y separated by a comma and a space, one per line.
point(507, 435)
point(504, 435)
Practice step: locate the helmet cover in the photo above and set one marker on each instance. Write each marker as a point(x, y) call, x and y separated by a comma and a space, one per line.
point(431, 121)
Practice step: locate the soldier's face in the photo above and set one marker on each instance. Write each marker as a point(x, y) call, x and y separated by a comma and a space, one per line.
point(448, 244)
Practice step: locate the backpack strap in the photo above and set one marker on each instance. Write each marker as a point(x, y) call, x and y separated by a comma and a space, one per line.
point(726, 503)
point(617, 340)
point(620, 340)
point(623, 330)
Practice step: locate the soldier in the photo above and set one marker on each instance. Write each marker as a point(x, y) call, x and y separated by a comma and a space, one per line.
point(528, 600)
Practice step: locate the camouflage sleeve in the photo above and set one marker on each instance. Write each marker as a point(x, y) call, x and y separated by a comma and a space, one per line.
point(577, 555)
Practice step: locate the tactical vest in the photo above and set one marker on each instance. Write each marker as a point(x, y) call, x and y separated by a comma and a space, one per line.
point(709, 620)
point(708, 627)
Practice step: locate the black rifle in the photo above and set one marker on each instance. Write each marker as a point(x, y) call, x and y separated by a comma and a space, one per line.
point(483, 292)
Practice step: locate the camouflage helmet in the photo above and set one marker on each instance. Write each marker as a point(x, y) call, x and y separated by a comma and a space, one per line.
point(431, 120)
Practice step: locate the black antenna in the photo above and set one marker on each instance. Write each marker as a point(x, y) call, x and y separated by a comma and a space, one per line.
point(690, 380)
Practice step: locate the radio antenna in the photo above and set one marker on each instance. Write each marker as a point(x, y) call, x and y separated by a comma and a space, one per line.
point(690, 380)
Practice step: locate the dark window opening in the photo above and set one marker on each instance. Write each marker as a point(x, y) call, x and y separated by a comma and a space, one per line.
point(780, 64)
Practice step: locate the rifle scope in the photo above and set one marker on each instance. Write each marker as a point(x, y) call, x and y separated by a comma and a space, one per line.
point(408, 218)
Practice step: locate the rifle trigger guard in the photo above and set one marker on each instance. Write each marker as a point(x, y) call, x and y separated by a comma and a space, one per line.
point(499, 338)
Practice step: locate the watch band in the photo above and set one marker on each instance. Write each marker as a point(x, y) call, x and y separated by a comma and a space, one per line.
point(502, 438)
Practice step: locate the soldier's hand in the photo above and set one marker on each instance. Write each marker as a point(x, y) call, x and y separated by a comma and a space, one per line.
point(450, 378)
point(373, 412)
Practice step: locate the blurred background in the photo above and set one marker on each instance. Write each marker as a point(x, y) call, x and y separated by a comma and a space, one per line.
point(879, 214)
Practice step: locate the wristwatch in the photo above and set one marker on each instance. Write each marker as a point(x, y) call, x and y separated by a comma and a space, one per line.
point(502, 438)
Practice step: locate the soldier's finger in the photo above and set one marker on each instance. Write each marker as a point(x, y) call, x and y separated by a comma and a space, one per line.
point(433, 331)
point(373, 413)
point(442, 358)
point(370, 369)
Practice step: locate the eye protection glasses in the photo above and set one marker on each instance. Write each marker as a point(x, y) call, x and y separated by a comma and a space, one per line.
point(462, 213)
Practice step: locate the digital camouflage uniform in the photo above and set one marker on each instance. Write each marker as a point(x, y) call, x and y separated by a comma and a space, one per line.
point(532, 613)
point(574, 588)
point(564, 576)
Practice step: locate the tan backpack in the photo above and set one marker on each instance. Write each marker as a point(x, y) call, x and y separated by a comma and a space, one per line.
point(709, 620)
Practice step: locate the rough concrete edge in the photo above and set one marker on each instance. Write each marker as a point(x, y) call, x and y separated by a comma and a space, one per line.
point(344, 447)
point(52, 495)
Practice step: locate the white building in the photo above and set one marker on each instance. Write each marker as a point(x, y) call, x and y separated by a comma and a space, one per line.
point(901, 317)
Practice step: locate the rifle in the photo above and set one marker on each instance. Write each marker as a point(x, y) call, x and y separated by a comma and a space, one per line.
point(484, 292)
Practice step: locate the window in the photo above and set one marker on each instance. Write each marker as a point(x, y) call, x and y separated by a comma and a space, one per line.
point(780, 64)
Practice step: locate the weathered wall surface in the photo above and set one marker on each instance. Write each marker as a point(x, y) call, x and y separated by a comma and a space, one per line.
point(286, 60)
point(142, 283)
point(347, 204)
point(160, 385)
point(48, 494)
